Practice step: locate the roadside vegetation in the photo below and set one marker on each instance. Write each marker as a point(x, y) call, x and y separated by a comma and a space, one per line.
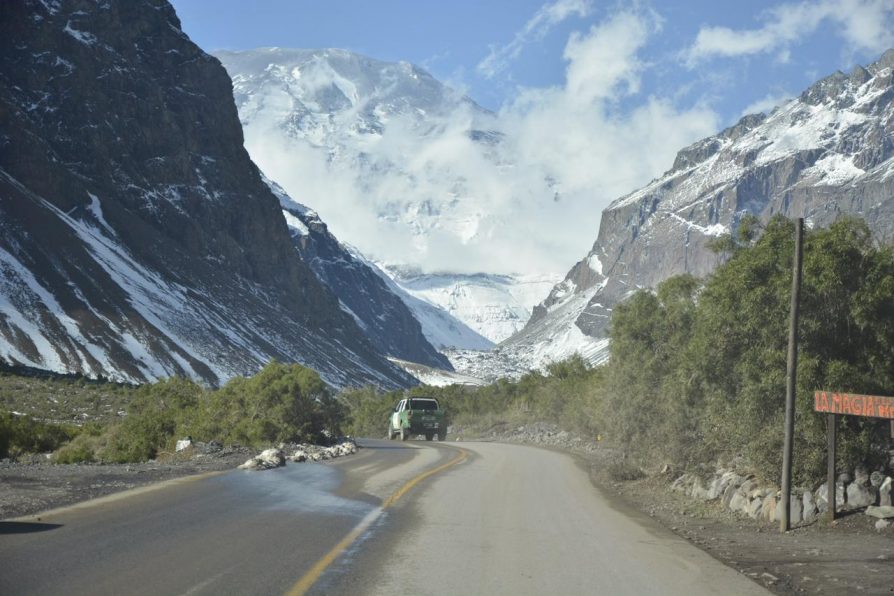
point(697, 368)
point(569, 394)
point(696, 375)
point(282, 403)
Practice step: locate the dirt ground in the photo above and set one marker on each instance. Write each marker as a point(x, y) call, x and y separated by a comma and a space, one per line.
point(849, 557)
point(32, 487)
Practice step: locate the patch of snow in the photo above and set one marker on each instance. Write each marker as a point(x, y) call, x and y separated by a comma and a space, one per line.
point(84, 37)
point(717, 229)
point(69, 67)
point(436, 377)
point(594, 263)
point(96, 209)
point(294, 223)
point(834, 169)
point(495, 306)
point(51, 6)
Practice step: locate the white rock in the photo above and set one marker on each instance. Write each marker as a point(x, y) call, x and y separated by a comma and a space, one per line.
point(810, 508)
point(858, 496)
point(698, 490)
point(682, 484)
point(768, 509)
point(822, 503)
point(299, 456)
point(884, 493)
point(794, 511)
point(183, 444)
point(882, 524)
point(754, 507)
point(880, 512)
point(266, 460)
point(738, 502)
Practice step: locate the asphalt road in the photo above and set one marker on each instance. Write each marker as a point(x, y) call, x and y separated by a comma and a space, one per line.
point(397, 518)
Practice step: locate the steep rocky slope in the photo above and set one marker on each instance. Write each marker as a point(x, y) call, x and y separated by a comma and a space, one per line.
point(359, 287)
point(822, 155)
point(137, 239)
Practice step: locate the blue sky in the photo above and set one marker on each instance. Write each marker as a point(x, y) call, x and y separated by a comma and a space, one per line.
point(726, 55)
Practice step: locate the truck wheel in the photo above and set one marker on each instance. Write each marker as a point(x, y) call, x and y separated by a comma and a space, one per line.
point(429, 436)
point(404, 434)
point(442, 434)
point(390, 433)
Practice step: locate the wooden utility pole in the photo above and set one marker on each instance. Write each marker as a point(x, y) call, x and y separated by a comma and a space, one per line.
point(831, 444)
point(790, 386)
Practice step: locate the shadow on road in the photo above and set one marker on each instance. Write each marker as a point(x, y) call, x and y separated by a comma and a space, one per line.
point(11, 527)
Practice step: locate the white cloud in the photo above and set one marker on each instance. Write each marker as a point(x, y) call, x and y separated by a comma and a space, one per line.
point(578, 135)
point(548, 16)
point(423, 193)
point(605, 57)
point(865, 25)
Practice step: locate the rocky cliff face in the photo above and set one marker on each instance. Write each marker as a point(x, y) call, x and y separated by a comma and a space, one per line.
point(822, 155)
point(360, 289)
point(137, 238)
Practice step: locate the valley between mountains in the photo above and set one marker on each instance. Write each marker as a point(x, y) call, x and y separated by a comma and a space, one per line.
point(182, 258)
point(278, 258)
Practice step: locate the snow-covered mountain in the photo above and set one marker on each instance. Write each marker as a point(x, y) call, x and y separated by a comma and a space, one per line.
point(824, 154)
point(440, 328)
point(362, 293)
point(495, 306)
point(398, 165)
point(359, 119)
point(137, 238)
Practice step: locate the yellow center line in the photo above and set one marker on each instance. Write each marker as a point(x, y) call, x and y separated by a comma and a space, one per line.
point(314, 573)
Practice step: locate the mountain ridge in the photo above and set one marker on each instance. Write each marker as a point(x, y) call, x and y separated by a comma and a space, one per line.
point(821, 155)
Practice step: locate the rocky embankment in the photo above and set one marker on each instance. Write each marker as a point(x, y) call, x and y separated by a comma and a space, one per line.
point(744, 494)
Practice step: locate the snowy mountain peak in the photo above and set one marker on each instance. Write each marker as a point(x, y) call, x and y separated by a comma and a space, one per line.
point(303, 90)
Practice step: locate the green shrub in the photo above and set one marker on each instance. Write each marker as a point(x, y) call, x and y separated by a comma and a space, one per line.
point(282, 403)
point(155, 415)
point(22, 434)
point(82, 449)
point(367, 411)
point(698, 373)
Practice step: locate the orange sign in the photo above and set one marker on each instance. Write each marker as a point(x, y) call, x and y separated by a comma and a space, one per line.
point(852, 404)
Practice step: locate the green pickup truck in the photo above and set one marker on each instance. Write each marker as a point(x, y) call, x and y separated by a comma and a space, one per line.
point(417, 416)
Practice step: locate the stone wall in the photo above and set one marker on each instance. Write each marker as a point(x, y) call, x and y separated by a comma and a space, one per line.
point(745, 495)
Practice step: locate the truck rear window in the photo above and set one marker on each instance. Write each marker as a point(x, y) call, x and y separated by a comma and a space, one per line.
point(423, 404)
